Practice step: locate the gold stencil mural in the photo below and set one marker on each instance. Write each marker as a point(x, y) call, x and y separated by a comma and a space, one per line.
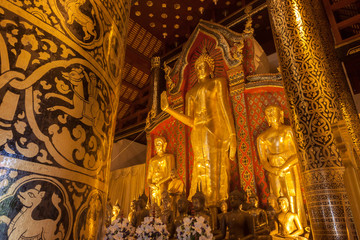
point(60, 63)
point(314, 108)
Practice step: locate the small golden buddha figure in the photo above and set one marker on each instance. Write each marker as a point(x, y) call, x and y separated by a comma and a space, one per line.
point(277, 153)
point(159, 172)
point(239, 223)
point(131, 214)
point(213, 138)
point(289, 225)
point(116, 212)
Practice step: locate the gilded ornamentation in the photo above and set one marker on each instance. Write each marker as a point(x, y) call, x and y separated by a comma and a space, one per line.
point(169, 82)
point(309, 85)
point(58, 83)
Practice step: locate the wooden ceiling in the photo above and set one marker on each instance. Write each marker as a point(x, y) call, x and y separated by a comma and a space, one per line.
point(157, 27)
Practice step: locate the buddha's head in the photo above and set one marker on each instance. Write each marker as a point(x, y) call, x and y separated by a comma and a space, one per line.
point(116, 210)
point(272, 201)
point(274, 115)
point(284, 204)
point(236, 199)
point(254, 200)
point(173, 174)
point(204, 66)
point(160, 145)
point(198, 201)
point(165, 200)
point(133, 205)
point(183, 204)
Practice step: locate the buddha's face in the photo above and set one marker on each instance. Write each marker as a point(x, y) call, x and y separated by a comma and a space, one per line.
point(182, 206)
point(202, 70)
point(198, 206)
point(254, 202)
point(284, 205)
point(159, 146)
point(115, 211)
point(272, 202)
point(273, 115)
point(132, 205)
point(234, 201)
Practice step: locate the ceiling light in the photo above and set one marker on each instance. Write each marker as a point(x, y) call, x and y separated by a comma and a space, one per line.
point(177, 6)
point(149, 3)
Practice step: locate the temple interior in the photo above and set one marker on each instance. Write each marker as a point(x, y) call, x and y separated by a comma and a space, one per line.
point(178, 119)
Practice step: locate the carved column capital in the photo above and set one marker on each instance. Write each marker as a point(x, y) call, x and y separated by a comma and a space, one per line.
point(155, 62)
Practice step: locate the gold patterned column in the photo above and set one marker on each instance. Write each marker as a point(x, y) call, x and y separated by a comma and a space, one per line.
point(60, 63)
point(310, 85)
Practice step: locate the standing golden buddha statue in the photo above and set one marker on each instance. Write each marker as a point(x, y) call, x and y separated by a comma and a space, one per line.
point(159, 172)
point(277, 153)
point(213, 138)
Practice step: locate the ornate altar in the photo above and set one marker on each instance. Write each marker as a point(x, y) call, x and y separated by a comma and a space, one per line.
point(242, 62)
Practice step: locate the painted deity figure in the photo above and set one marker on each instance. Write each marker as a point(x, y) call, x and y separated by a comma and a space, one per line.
point(289, 225)
point(277, 153)
point(159, 172)
point(213, 138)
point(239, 223)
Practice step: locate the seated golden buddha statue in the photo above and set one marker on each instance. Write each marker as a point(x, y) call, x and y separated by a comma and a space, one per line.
point(213, 140)
point(277, 153)
point(289, 225)
point(259, 215)
point(116, 212)
point(239, 223)
point(159, 171)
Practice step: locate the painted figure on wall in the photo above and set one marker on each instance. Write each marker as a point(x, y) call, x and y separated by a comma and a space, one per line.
point(159, 172)
point(213, 138)
point(277, 153)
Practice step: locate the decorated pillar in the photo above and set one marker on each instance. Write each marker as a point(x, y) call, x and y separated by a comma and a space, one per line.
point(310, 84)
point(155, 88)
point(60, 68)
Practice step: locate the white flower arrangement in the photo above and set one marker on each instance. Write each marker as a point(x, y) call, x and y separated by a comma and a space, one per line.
point(194, 228)
point(152, 228)
point(119, 229)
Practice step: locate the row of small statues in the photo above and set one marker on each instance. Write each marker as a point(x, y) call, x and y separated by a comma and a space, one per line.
point(245, 220)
